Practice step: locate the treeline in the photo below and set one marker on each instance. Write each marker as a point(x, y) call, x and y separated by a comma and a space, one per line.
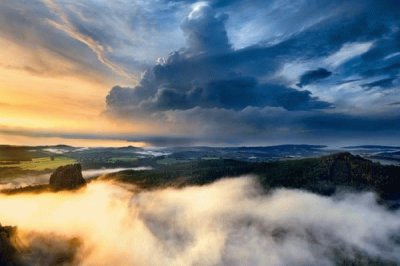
point(322, 175)
point(14, 154)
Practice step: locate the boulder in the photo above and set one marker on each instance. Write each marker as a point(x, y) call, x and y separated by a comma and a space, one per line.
point(67, 177)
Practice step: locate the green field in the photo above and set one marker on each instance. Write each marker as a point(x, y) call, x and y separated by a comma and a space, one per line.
point(42, 163)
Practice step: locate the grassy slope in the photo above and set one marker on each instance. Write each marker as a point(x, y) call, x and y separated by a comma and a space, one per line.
point(42, 163)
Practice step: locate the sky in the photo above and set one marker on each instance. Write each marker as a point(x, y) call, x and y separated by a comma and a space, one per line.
point(221, 73)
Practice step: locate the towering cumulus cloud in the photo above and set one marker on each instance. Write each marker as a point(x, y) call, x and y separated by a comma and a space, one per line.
point(206, 74)
point(199, 76)
point(230, 222)
point(340, 60)
point(205, 31)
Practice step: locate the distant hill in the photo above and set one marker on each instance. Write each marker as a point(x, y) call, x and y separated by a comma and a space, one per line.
point(256, 153)
point(372, 147)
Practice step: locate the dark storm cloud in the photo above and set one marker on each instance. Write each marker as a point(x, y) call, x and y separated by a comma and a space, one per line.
point(223, 93)
point(236, 93)
point(209, 74)
point(313, 76)
point(258, 126)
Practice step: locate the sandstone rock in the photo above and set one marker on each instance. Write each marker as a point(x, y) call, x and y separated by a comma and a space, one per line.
point(67, 177)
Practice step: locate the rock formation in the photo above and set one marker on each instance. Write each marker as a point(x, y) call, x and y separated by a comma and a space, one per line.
point(8, 252)
point(67, 177)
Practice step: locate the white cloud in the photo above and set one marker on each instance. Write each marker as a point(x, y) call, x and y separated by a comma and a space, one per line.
point(347, 52)
point(31, 180)
point(230, 222)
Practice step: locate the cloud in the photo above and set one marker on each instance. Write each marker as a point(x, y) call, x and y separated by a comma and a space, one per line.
point(235, 93)
point(97, 140)
point(313, 76)
point(347, 52)
point(205, 31)
point(66, 26)
point(103, 171)
point(210, 90)
point(199, 76)
point(385, 69)
point(23, 181)
point(229, 222)
point(40, 179)
point(44, 50)
point(237, 57)
point(382, 83)
point(269, 125)
point(249, 126)
point(108, 40)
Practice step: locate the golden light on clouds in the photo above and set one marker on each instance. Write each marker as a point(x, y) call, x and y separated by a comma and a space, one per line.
point(41, 91)
point(222, 223)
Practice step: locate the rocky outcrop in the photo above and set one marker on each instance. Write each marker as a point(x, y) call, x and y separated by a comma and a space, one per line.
point(8, 252)
point(67, 177)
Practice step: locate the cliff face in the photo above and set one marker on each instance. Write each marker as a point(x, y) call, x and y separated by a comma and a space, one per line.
point(67, 177)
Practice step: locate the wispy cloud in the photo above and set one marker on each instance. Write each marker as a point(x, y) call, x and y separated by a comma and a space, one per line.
point(241, 60)
point(65, 25)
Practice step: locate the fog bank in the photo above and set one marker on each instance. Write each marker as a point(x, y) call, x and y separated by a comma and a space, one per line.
point(31, 180)
point(229, 222)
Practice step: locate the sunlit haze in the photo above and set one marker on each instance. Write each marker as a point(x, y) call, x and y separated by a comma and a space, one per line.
point(199, 133)
point(200, 73)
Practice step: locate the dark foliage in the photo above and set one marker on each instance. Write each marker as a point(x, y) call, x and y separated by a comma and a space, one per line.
point(14, 154)
point(8, 251)
point(322, 175)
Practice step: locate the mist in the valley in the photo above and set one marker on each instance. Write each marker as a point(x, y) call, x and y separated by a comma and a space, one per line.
point(229, 222)
point(103, 171)
point(23, 181)
point(39, 179)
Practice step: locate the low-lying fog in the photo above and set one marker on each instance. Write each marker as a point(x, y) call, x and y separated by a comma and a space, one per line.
point(229, 222)
point(29, 180)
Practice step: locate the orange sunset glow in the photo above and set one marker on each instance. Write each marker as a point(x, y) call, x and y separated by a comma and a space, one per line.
point(199, 132)
point(43, 91)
